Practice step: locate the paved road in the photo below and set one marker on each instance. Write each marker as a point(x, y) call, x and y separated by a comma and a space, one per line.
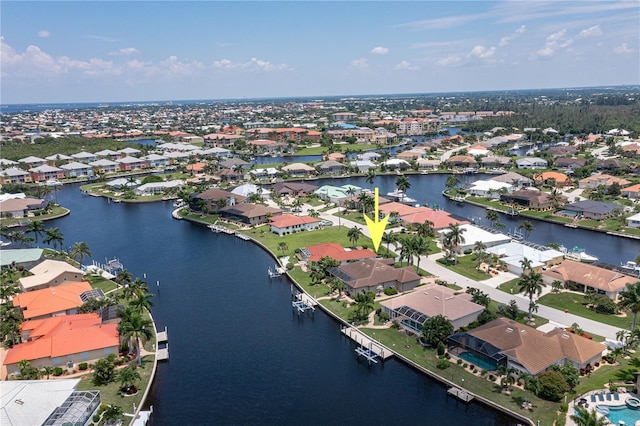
point(428, 263)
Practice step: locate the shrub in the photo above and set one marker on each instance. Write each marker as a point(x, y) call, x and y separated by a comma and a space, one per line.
point(465, 365)
point(289, 266)
point(564, 407)
point(390, 291)
point(459, 362)
point(613, 388)
point(83, 366)
point(483, 372)
point(468, 251)
point(552, 385)
point(442, 364)
point(95, 418)
point(492, 377)
point(447, 356)
point(58, 371)
point(441, 349)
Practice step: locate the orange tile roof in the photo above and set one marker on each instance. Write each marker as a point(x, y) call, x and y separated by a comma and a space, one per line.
point(557, 176)
point(399, 208)
point(337, 252)
point(51, 300)
point(287, 220)
point(66, 335)
point(439, 218)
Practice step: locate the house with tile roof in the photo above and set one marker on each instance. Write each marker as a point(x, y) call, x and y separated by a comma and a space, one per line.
point(295, 189)
point(589, 278)
point(290, 224)
point(250, 214)
point(601, 179)
point(215, 199)
point(558, 178)
point(511, 344)
point(412, 309)
point(336, 252)
point(532, 199)
point(44, 173)
point(50, 273)
point(64, 341)
point(373, 275)
point(632, 191)
point(77, 169)
point(21, 207)
point(14, 175)
point(591, 209)
point(53, 301)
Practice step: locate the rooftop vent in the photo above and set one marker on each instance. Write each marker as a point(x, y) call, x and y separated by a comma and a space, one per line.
point(509, 329)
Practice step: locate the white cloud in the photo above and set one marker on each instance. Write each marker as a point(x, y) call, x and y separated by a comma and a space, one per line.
point(483, 52)
point(554, 42)
point(253, 64)
point(443, 22)
point(379, 50)
point(623, 49)
point(594, 31)
point(361, 63)
point(449, 60)
point(127, 51)
point(507, 39)
point(405, 65)
point(43, 34)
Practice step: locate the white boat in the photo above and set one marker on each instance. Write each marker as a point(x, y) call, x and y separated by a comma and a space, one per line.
point(400, 197)
point(630, 267)
point(578, 254)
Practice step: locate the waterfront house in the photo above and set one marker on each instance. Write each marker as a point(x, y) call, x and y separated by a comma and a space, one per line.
point(478, 151)
point(22, 207)
point(596, 210)
point(4, 163)
point(221, 139)
point(154, 188)
point(129, 163)
point(44, 173)
point(64, 341)
point(298, 169)
point(336, 252)
point(84, 157)
point(532, 199)
point(595, 181)
point(177, 157)
point(235, 164)
point(515, 179)
point(294, 189)
point(552, 178)
point(63, 299)
point(215, 152)
point(395, 164)
point(289, 224)
point(265, 146)
point(105, 166)
point(374, 275)
point(50, 273)
point(368, 156)
point(76, 169)
point(612, 164)
point(473, 234)
point(248, 189)
point(461, 162)
point(330, 167)
point(426, 164)
point(569, 163)
point(120, 183)
point(14, 175)
point(42, 401)
point(412, 309)
point(494, 161)
point(20, 257)
point(155, 160)
point(531, 163)
point(363, 165)
point(265, 173)
point(489, 188)
point(128, 151)
point(250, 214)
point(587, 277)
point(56, 159)
point(338, 194)
point(437, 219)
point(511, 344)
point(634, 221)
point(513, 253)
point(632, 191)
point(108, 154)
point(337, 156)
point(215, 199)
point(32, 161)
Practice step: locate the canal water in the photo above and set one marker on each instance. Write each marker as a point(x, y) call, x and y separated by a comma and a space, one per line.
point(238, 354)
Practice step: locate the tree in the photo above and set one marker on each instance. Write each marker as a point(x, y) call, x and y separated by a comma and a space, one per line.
point(28, 371)
point(424, 229)
point(492, 216)
point(104, 372)
point(556, 286)
point(134, 328)
point(418, 246)
point(552, 385)
point(53, 236)
point(127, 377)
point(527, 227)
point(403, 184)
point(454, 238)
point(531, 285)
point(526, 264)
point(436, 329)
point(112, 413)
point(389, 238)
point(35, 227)
point(364, 305)
point(370, 177)
point(630, 300)
point(478, 296)
point(586, 417)
point(479, 249)
point(123, 277)
point(570, 373)
point(47, 371)
point(452, 182)
point(509, 310)
point(10, 320)
point(141, 301)
point(354, 235)
point(79, 250)
point(283, 247)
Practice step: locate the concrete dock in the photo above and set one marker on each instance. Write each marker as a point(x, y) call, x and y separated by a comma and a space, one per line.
point(366, 342)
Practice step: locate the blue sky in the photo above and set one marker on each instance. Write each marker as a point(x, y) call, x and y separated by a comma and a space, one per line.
point(88, 51)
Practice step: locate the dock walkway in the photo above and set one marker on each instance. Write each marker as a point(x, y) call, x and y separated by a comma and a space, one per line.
point(162, 354)
point(461, 394)
point(365, 341)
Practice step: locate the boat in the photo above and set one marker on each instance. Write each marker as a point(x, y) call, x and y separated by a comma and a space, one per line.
point(179, 203)
point(630, 267)
point(495, 172)
point(512, 212)
point(578, 254)
point(399, 196)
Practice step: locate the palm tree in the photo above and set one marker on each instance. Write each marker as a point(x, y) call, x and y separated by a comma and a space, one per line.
point(389, 238)
point(141, 301)
point(371, 176)
point(36, 228)
point(492, 216)
point(424, 229)
point(53, 236)
point(403, 184)
point(419, 247)
point(283, 247)
point(454, 238)
point(134, 328)
point(630, 300)
point(452, 182)
point(124, 277)
point(531, 285)
point(479, 249)
point(585, 417)
point(128, 376)
point(47, 371)
point(111, 414)
point(79, 251)
point(436, 329)
point(527, 227)
point(526, 264)
point(354, 235)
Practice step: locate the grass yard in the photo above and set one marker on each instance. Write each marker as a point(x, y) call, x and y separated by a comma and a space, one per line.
point(573, 302)
point(102, 283)
point(510, 287)
point(466, 266)
point(606, 373)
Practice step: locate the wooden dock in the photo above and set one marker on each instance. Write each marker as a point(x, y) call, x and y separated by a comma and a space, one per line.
point(461, 394)
point(367, 344)
point(162, 354)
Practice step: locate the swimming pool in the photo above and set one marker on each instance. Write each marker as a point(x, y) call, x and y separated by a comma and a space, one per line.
point(481, 362)
point(628, 415)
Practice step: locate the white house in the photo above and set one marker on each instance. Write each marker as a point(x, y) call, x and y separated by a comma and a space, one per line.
point(634, 221)
point(105, 166)
point(157, 187)
point(489, 188)
point(472, 233)
point(531, 163)
point(513, 253)
point(77, 169)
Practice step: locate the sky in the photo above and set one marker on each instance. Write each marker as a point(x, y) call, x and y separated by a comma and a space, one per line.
point(121, 51)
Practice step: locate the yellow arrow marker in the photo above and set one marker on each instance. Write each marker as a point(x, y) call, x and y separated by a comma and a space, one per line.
point(376, 226)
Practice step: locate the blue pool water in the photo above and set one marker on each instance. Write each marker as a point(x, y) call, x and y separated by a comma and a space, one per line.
point(627, 415)
point(478, 361)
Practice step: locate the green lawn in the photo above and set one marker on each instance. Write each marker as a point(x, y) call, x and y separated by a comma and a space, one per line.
point(573, 302)
point(466, 266)
point(323, 149)
point(606, 373)
point(110, 394)
point(510, 287)
point(55, 212)
point(102, 283)
point(632, 231)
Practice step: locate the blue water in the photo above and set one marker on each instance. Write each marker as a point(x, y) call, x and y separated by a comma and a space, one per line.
point(238, 353)
point(478, 361)
point(625, 414)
